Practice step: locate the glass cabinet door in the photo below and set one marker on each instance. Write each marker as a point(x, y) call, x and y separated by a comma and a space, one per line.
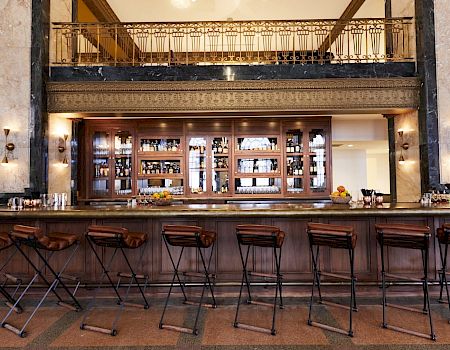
point(101, 163)
point(220, 165)
point(317, 161)
point(197, 161)
point(123, 152)
point(294, 162)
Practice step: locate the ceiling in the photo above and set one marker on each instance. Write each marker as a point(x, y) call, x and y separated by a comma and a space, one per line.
point(220, 10)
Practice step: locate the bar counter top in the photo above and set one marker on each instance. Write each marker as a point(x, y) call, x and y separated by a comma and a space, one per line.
point(291, 210)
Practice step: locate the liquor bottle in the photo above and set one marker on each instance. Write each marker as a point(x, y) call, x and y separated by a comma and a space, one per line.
point(225, 146)
point(214, 147)
point(297, 148)
point(220, 148)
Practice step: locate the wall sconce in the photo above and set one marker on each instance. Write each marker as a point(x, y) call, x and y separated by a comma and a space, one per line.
point(9, 147)
point(62, 147)
point(403, 147)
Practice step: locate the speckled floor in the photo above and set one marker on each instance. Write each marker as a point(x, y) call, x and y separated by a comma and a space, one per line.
point(58, 328)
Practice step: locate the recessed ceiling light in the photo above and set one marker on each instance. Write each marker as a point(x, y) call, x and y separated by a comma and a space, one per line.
point(350, 145)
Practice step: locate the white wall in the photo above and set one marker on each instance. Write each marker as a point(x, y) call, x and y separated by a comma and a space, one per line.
point(349, 170)
point(378, 172)
point(359, 130)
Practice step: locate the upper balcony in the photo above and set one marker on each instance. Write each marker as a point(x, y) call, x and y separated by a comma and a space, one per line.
point(328, 43)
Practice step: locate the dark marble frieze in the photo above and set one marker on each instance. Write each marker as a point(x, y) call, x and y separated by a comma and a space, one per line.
point(276, 95)
point(257, 72)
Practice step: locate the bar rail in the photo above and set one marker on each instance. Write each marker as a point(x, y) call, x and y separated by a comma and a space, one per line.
point(363, 40)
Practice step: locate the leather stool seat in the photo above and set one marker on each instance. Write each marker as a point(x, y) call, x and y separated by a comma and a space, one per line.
point(185, 236)
point(111, 236)
point(53, 241)
point(335, 236)
point(5, 241)
point(260, 235)
point(404, 235)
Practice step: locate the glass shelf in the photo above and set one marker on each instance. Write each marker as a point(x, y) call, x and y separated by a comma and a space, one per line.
point(157, 167)
point(257, 144)
point(257, 166)
point(257, 185)
point(155, 145)
point(150, 186)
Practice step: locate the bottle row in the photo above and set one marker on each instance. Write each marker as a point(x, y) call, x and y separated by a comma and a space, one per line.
point(160, 145)
point(160, 167)
point(248, 166)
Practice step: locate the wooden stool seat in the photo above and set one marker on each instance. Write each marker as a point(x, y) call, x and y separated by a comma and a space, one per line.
point(404, 235)
point(443, 234)
point(335, 236)
point(260, 235)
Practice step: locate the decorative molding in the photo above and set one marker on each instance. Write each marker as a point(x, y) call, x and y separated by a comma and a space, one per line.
point(385, 95)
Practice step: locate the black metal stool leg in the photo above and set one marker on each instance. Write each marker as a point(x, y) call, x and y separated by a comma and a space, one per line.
point(315, 278)
point(244, 280)
point(280, 279)
point(425, 282)
point(383, 283)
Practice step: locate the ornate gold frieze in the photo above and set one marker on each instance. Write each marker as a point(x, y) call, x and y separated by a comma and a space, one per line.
point(307, 95)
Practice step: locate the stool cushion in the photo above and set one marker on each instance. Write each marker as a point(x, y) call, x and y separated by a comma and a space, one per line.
point(260, 235)
point(443, 234)
point(113, 236)
point(186, 236)
point(5, 241)
point(403, 235)
point(335, 236)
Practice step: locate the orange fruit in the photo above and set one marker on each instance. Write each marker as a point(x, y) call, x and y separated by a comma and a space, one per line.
point(341, 188)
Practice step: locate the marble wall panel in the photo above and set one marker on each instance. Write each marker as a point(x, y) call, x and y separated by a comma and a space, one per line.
point(442, 42)
point(408, 173)
point(59, 175)
point(15, 40)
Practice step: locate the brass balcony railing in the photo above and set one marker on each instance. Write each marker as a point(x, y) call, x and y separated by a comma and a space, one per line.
point(242, 42)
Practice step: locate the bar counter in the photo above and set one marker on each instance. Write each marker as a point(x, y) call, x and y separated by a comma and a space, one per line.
point(222, 218)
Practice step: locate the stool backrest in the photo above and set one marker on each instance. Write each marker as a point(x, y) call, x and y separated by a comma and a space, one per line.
point(187, 236)
point(27, 231)
point(335, 236)
point(403, 235)
point(107, 236)
point(260, 235)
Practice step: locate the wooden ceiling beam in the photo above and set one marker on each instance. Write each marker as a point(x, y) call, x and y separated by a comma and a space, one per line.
point(346, 16)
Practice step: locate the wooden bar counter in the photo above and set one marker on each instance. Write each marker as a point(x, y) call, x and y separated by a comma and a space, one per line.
point(290, 217)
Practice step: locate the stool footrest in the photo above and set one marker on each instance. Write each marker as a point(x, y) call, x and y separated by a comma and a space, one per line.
point(138, 306)
point(177, 328)
point(255, 302)
point(407, 331)
point(336, 275)
point(69, 277)
point(189, 302)
point(406, 278)
point(128, 275)
point(260, 274)
point(98, 329)
point(407, 308)
point(16, 309)
point(13, 329)
point(13, 278)
point(329, 328)
point(198, 274)
point(254, 328)
point(442, 301)
point(68, 306)
point(330, 303)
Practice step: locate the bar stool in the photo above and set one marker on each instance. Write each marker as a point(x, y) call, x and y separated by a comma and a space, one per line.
point(118, 238)
point(409, 237)
point(333, 236)
point(5, 243)
point(34, 238)
point(260, 236)
point(189, 237)
point(443, 235)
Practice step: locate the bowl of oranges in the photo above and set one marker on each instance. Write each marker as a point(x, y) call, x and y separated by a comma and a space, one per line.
point(341, 196)
point(162, 198)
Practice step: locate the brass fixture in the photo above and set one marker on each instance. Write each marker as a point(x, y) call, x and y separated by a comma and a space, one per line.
point(9, 147)
point(403, 145)
point(62, 147)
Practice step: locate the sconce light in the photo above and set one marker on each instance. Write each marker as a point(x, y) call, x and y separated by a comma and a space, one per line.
point(9, 147)
point(62, 147)
point(404, 146)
